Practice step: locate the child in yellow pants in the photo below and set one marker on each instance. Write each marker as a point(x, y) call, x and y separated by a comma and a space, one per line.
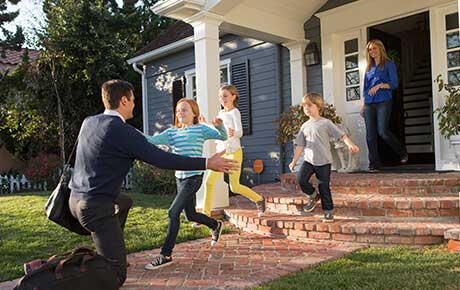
point(231, 117)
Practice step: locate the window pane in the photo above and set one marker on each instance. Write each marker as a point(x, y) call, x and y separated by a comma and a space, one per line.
point(453, 58)
point(452, 21)
point(351, 62)
point(352, 78)
point(353, 94)
point(453, 40)
point(224, 76)
point(351, 46)
point(454, 77)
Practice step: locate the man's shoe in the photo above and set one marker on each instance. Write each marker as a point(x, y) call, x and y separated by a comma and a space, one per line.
point(196, 225)
point(373, 169)
point(261, 207)
point(215, 236)
point(328, 217)
point(311, 202)
point(404, 159)
point(158, 262)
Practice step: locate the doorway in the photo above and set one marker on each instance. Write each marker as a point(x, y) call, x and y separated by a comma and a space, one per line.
point(407, 41)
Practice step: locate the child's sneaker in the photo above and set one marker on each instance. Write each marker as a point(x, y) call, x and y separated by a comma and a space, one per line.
point(158, 262)
point(261, 207)
point(215, 236)
point(328, 217)
point(311, 202)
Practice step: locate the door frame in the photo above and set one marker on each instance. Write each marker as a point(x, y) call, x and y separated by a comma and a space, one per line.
point(333, 29)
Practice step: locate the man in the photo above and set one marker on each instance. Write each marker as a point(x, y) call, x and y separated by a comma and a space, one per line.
point(106, 149)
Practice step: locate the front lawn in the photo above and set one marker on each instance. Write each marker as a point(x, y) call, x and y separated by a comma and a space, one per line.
point(399, 268)
point(26, 233)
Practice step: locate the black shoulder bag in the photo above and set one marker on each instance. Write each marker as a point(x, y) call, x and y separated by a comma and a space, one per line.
point(57, 206)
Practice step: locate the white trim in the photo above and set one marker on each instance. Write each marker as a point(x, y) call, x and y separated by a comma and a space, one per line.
point(162, 51)
point(190, 73)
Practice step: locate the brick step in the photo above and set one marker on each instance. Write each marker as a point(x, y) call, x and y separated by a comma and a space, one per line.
point(371, 230)
point(386, 183)
point(369, 205)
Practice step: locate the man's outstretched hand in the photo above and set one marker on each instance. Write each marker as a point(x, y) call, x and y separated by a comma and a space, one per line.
point(218, 163)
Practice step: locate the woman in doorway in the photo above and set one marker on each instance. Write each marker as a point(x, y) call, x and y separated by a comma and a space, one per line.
point(379, 82)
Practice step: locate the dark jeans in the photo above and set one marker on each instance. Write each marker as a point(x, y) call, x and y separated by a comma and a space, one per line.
point(185, 200)
point(377, 118)
point(323, 176)
point(106, 227)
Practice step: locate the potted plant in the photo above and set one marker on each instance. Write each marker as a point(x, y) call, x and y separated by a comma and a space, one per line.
point(448, 115)
point(291, 121)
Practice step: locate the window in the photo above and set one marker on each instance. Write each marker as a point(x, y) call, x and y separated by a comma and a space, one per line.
point(352, 89)
point(453, 49)
point(190, 78)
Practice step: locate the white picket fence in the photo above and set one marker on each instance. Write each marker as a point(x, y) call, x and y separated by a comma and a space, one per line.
point(10, 184)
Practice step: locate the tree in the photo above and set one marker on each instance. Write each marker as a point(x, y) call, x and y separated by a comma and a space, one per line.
point(10, 40)
point(83, 44)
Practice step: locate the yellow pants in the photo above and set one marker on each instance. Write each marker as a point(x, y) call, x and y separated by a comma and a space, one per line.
point(235, 185)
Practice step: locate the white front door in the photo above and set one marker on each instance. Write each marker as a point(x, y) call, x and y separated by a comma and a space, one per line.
point(445, 53)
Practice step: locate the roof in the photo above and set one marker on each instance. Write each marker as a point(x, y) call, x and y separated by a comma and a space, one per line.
point(179, 30)
point(13, 57)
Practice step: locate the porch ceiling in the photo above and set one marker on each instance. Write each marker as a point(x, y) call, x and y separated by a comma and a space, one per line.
point(269, 20)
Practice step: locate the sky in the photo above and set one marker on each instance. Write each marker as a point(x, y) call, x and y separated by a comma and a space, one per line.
point(30, 15)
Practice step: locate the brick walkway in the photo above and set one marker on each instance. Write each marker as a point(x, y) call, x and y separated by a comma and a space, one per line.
point(239, 261)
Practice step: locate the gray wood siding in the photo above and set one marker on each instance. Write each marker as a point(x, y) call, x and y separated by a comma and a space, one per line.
point(313, 33)
point(265, 98)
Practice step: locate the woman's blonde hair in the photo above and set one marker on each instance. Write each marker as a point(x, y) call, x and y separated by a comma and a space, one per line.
point(383, 54)
point(195, 110)
point(314, 98)
point(232, 90)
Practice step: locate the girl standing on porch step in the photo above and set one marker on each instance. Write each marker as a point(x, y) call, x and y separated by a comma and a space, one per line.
point(230, 115)
point(186, 138)
point(380, 80)
point(314, 140)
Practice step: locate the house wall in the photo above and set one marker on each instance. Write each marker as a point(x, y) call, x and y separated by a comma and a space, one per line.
point(312, 29)
point(268, 97)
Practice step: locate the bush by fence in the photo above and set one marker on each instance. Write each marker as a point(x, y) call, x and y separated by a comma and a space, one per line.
point(151, 180)
point(44, 168)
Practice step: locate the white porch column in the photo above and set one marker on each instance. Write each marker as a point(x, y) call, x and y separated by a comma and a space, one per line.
point(298, 70)
point(207, 68)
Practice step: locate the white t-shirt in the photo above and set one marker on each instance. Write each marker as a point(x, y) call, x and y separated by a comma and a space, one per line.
point(231, 119)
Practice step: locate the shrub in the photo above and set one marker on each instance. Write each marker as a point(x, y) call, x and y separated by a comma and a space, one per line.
point(291, 121)
point(44, 167)
point(148, 179)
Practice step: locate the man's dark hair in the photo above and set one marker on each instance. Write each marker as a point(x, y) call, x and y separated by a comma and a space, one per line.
point(113, 90)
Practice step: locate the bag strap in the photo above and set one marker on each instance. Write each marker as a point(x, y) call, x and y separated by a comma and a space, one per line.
point(69, 160)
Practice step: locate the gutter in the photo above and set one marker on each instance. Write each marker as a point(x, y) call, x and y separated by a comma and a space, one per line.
point(279, 93)
point(145, 119)
point(162, 51)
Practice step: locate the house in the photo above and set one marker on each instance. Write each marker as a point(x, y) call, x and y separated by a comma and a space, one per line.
point(275, 51)
point(7, 64)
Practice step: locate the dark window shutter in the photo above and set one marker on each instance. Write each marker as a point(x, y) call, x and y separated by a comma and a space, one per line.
point(177, 93)
point(240, 79)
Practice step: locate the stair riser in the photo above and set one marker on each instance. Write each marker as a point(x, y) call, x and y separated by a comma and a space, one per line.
point(403, 190)
point(349, 210)
point(390, 239)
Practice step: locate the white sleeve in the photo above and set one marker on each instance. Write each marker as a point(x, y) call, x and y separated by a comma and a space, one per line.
point(238, 126)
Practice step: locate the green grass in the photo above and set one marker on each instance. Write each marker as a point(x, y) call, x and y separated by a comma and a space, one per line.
point(400, 268)
point(26, 233)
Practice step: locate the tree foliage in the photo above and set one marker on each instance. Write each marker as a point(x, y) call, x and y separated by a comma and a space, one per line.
point(10, 40)
point(83, 44)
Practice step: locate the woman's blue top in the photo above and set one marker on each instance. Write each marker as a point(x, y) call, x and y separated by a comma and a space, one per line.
point(377, 75)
